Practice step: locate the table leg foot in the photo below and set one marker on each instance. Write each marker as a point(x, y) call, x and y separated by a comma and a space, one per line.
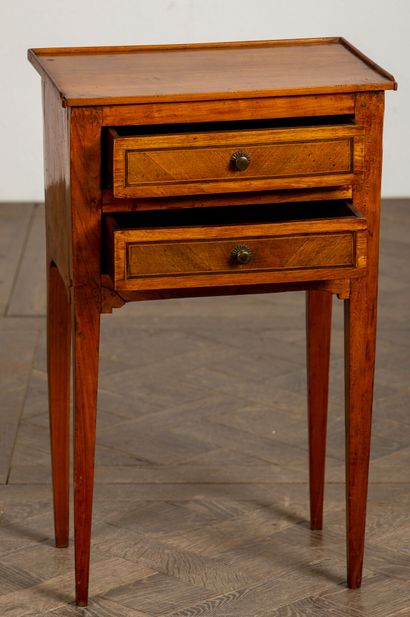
point(360, 339)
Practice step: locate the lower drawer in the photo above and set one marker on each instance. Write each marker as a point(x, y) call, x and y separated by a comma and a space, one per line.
point(235, 246)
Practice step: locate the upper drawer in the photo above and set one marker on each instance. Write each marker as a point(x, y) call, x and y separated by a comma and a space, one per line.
point(241, 160)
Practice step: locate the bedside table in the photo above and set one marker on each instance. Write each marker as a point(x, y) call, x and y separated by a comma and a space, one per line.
point(195, 170)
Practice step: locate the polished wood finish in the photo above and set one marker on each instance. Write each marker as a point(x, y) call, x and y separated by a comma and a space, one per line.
point(268, 254)
point(318, 328)
point(58, 369)
point(86, 242)
point(57, 183)
point(90, 93)
point(256, 108)
point(192, 163)
point(178, 256)
point(85, 373)
point(58, 267)
point(360, 341)
point(120, 75)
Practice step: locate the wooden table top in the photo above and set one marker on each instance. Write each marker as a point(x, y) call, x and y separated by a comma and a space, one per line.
point(122, 75)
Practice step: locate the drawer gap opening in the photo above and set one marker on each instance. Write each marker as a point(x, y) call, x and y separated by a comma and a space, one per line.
point(233, 125)
point(239, 215)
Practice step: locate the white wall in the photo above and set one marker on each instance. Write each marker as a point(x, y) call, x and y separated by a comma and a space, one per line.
point(379, 28)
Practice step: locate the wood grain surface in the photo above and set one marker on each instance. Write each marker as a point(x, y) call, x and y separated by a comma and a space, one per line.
point(196, 111)
point(59, 370)
point(360, 342)
point(318, 334)
point(99, 76)
point(85, 168)
point(192, 163)
point(171, 256)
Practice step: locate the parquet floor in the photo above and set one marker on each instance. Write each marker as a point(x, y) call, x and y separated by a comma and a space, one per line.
point(201, 496)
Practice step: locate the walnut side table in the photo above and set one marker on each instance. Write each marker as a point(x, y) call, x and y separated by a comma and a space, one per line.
point(195, 170)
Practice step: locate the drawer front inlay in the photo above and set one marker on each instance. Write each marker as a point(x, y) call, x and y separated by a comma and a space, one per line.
point(201, 257)
point(176, 166)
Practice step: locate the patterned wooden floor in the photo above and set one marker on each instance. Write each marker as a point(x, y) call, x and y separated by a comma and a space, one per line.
point(201, 497)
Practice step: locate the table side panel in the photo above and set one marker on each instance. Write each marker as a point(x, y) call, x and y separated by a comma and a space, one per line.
point(57, 182)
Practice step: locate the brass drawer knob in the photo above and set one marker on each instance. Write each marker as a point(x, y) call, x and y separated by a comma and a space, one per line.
point(240, 160)
point(241, 254)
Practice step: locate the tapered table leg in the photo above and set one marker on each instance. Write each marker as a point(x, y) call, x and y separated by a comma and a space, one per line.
point(318, 330)
point(86, 345)
point(360, 340)
point(58, 361)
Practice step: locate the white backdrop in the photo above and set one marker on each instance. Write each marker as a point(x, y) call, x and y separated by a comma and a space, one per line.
point(379, 28)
